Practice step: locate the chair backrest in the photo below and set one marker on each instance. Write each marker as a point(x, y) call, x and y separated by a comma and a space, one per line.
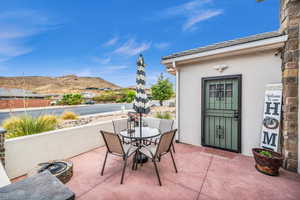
point(152, 122)
point(119, 125)
point(165, 142)
point(166, 125)
point(112, 142)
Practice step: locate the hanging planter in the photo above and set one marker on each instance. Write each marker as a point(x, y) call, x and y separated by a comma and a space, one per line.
point(267, 161)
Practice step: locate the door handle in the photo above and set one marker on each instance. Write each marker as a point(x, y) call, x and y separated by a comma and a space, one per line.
point(236, 114)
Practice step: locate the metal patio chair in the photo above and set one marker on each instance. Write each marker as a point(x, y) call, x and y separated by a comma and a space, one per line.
point(115, 147)
point(166, 125)
point(121, 125)
point(163, 147)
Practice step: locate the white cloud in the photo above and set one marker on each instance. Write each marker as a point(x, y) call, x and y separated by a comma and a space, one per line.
point(162, 45)
point(16, 27)
point(96, 71)
point(132, 48)
point(111, 42)
point(116, 67)
point(194, 11)
point(103, 61)
point(10, 49)
point(202, 16)
point(112, 69)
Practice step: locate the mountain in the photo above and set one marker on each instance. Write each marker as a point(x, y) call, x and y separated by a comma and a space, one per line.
point(55, 85)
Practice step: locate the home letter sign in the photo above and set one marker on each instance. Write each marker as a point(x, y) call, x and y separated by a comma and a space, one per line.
point(272, 116)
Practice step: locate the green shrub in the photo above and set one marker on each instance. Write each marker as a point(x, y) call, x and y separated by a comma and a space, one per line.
point(162, 90)
point(119, 100)
point(107, 96)
point(28, 125)
point(68, 115)
point(130, 96)
point(121, 96)
point(266, 153)
point(71, 99)
point(163, 115)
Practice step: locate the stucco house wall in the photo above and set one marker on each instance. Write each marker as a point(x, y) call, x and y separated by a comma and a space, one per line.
point(257, 70)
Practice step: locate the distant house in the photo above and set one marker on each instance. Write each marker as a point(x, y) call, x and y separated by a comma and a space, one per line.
point(92, 88)
point(19, 98)
point(13, 93)
point(105, 89)
point(88, 95)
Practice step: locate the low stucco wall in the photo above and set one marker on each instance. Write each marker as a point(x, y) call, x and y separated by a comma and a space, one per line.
point(24, 153)
point(3, 177)
point(257, 71)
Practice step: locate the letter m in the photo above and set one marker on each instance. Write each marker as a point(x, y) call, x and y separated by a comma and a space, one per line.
point(269, 139)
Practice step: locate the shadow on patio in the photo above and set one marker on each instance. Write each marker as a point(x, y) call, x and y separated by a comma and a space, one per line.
point(203, 173)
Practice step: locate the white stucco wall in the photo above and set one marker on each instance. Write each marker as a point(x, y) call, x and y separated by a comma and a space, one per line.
point(3, 177)
point(24, 153)
point(257, 70)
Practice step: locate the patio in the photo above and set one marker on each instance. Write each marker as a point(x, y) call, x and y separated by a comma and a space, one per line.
point(203, 173)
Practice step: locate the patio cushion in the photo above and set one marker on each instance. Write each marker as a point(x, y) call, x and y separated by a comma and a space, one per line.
point(42, 186)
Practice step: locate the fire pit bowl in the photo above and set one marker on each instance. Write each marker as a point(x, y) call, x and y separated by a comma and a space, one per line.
point(61, 169)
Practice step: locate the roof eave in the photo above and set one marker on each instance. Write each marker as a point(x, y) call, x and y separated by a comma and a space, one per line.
point(250, 47)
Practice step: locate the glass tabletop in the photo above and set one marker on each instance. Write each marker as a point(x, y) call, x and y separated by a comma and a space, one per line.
point(147, 132)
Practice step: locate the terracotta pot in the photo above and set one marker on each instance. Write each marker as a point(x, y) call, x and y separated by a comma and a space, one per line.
point(267, 165)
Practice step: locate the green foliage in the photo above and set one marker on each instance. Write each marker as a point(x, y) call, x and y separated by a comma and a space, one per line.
point(28, 125)
point(124, 95)
point(163, 115)
point(266, 153)
point(130, 96)
point(162, 90)
point(107, 96)
point(71, 99)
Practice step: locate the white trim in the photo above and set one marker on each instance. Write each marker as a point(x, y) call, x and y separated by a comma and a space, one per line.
point(255, 46)
point(177, 102)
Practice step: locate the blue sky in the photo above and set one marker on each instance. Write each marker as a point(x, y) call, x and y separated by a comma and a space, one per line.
point(104, 38)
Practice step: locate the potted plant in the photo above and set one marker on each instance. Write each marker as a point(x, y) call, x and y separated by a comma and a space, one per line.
point(267, 161)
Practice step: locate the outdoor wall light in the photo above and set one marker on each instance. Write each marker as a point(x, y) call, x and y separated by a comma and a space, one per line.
point(220, 68)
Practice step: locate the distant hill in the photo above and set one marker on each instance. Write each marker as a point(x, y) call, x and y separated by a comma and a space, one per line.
point(55, 85)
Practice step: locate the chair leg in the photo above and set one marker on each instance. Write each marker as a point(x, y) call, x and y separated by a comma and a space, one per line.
point(136, 163)
point(104, 163)
point(133, 161)
point(173, 161)
point(173, 148)
point(157, 173)
point(123, 172)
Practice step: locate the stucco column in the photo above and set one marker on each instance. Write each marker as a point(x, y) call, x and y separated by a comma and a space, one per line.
point(290, 19)
point(2, 149)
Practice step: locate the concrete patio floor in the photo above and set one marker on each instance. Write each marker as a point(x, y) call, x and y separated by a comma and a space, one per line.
point(204, 173)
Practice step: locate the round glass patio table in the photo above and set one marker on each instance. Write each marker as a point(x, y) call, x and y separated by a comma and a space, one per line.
point(147, 133)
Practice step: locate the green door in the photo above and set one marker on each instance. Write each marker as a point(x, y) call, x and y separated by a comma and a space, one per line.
point(221, 112)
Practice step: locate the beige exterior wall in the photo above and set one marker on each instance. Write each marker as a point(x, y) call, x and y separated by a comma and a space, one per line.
point(257, 70)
